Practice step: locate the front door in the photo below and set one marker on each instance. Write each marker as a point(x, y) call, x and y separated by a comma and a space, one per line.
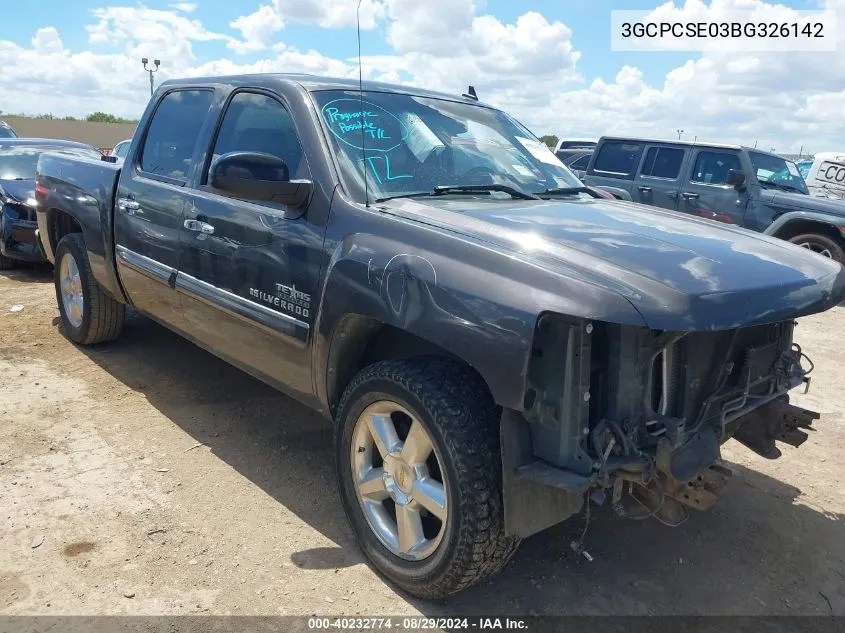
point(248, 271)
point(706, 192)
point(659, 180)
point(150, 200)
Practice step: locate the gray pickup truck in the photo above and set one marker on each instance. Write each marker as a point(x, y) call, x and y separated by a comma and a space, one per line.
point(728, 183)
point(496, 343)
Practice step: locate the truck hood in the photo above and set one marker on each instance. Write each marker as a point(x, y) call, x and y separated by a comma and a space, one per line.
point(800, 202)
point(680, 272)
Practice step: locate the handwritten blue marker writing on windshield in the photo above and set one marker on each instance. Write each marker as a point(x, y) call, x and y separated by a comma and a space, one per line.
point(356, 121)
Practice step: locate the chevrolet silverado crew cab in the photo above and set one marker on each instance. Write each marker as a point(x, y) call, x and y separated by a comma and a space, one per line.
point(496, 343)
point(738, 185)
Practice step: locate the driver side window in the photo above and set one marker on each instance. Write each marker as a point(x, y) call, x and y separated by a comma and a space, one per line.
point(258, 123)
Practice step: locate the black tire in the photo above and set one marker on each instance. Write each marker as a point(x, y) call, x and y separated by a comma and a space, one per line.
point(102, 316)
point(454, 406)
point(7, 263)
point(819, 242)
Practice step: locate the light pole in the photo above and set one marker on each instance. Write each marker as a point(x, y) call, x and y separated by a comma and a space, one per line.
point(157, 63)
point(679, 133)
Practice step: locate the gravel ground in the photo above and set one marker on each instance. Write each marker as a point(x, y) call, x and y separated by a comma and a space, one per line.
point(148, 477)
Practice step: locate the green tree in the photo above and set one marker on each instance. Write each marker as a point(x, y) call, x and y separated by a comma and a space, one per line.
point(101, 117)
point(104, 117)
point(550, 140)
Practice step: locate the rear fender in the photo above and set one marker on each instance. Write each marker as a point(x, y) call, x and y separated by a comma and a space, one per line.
point(84, 190)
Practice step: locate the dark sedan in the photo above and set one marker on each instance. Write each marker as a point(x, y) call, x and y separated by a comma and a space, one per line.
point(18, 160)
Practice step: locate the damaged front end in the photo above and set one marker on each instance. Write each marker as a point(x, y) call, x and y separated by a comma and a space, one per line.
point(639, 416)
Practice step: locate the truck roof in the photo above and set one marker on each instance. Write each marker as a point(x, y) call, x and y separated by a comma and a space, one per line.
point(664, 141)
point(316, 82)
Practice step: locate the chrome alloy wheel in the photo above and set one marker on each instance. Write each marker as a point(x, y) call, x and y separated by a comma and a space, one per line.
point(71, 287)
point(398, 479)
point(817, 248)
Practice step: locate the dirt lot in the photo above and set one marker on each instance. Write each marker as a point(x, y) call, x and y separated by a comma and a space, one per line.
point(109, 506)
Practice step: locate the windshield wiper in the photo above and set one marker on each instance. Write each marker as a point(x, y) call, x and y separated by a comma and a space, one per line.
point(781, 186)
point(408, 194)
point(566, 191)
point(442, 190)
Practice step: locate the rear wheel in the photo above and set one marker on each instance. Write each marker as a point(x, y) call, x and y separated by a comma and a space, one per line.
point(419, 471)
point(88, 314)
point(821, 244)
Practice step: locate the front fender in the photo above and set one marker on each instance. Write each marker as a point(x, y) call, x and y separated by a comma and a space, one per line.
point(425, 294)
point(480, 304)
point(782, 222)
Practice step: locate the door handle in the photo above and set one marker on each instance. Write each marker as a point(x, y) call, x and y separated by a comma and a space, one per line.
point(128, 205)
point(689, 196)
point(199, 227)
point(644, 189)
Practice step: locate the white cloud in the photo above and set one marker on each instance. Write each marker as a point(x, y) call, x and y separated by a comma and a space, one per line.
point(330, 14)
point(47, 41)
point(256, 29)
point(142, 32)
point(184, 7)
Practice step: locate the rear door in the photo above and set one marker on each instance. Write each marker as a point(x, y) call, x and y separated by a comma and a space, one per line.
point(658, 181)
point(248, 270)
point(615, 164)
point(150, 199)
point(706, 192)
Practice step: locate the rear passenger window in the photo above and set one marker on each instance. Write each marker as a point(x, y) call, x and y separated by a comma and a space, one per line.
point(663, 162)
point(620, 159)
point(711, 168)
point(172, 136)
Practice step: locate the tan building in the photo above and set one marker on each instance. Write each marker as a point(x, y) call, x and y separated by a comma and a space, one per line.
point(103, 136)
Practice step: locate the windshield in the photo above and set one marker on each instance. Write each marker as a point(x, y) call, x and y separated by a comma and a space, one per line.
point(414, 144)
point(778, 172)
point(7, 132)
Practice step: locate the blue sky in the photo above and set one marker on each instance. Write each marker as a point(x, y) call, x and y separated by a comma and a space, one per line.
point(547, 61)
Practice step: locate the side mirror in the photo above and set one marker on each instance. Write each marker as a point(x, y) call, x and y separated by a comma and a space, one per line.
point(257, 176)
point(736, 178)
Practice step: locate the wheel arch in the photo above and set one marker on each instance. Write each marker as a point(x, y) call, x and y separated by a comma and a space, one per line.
point(358, 341)
point(59, 224)
point(789, 225)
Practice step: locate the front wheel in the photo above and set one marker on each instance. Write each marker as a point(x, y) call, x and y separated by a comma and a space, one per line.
point(88, 314)
point(419, 471)
point(821, 244)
